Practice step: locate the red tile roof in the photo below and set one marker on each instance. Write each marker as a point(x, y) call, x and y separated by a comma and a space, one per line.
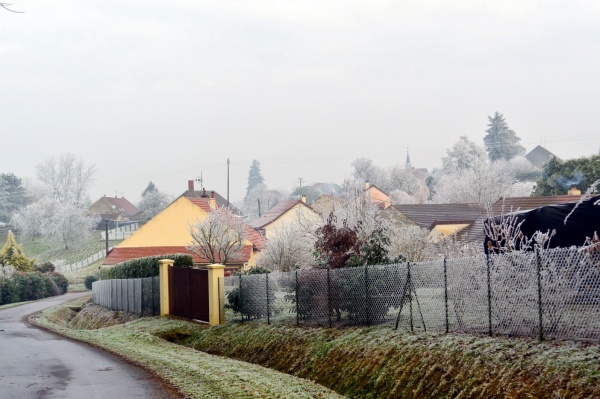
point(118, 255)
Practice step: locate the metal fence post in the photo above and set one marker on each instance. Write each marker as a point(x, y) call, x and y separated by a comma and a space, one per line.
point(367, 318)
point(446, 294)
point(241, 299)
point(268, 308)
point(409, 283)
point(297, 305)
point(329, 296)
point(489, 287)
point(539, 286)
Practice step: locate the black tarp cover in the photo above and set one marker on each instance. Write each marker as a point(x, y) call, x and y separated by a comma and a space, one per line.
point(584, 221)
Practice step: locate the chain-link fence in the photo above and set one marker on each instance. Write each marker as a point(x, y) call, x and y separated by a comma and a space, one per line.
point(551, 294)
point(137, 295)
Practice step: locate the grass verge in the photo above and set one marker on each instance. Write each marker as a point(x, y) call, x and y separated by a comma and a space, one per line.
point(195, 374)
point(381, 363)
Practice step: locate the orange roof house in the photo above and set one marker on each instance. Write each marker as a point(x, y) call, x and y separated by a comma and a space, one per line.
point(169, 233)
point(378, 196)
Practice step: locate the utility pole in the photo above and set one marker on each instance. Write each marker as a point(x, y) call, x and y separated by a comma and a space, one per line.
point(106, 235)
point(258, 199)
point(227, 181)
point(300, 189)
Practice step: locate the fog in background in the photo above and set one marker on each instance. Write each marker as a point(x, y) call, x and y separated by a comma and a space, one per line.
point(165, 90)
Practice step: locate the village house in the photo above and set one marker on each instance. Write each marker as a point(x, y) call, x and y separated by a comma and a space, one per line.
point(169, 232)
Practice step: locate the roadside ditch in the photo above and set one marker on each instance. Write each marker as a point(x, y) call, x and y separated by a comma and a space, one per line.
point(379, 362)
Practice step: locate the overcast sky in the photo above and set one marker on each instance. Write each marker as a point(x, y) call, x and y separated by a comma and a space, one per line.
point(162, 90)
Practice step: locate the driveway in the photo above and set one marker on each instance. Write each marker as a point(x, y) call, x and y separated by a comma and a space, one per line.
point(35, 363)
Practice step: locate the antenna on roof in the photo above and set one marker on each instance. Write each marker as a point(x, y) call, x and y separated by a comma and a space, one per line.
point(200, 180)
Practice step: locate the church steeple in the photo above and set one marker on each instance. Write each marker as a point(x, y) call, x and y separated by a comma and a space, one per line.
point(408, 165)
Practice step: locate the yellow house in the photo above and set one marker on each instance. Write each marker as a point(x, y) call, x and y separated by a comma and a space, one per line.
point(283, 213)
point(169, 233)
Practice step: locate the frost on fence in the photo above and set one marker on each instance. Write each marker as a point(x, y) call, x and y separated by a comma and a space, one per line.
point(571, 294)
point(549, 294)
point(514, 294)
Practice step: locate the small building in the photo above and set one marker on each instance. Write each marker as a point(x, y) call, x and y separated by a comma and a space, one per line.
point(114, 209)
point(282, 213)
point(540, 156)
point(169, 233)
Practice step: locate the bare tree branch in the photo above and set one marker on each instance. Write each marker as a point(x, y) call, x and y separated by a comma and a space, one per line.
point(5, 6)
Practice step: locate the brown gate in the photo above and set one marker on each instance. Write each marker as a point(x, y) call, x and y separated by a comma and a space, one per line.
point(188, 293)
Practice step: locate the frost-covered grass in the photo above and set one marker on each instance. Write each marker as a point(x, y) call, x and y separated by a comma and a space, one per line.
point(195, 374)
point(382, 363)
point(372, 362)
point(45, 252)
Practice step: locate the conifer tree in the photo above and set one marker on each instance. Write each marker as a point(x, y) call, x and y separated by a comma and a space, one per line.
point(254, 176)
point(12, 254)
point(500, 141)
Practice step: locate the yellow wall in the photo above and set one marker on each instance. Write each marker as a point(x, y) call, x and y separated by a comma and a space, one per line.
point(297, 211)
point(444, 230)
point(169, 228)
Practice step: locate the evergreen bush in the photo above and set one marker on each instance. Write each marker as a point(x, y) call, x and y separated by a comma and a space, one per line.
point(146, 267)
point(89, 280)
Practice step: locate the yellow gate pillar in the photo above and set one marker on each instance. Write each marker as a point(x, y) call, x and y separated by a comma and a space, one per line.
point(216, 294)
point(163, 266)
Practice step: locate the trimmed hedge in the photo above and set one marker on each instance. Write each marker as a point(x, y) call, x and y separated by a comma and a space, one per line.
point(31, 286)
point(145, 267)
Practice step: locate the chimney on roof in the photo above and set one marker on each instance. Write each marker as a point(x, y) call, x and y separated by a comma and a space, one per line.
point(574, 191)
point(212, 202)
point(367, 185)
point(191, 185)
point(204, 193)
point(303, 199)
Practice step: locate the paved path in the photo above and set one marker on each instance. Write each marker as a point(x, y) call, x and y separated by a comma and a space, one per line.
point(35, 363)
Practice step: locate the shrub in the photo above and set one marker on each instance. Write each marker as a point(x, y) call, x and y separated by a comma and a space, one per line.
point(89, 279)
point(46, 267)
point(252, 306)
point(8, 292)
point(61, 281)
point(146, 267)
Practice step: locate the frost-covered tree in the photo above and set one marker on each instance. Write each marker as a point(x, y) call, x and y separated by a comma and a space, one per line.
point(69, 224)
point(31, 221)
point(255, 177)
point(12, 255)
point(13, 196)
point(255, 197)
point(218, 238)
point(483, 184)
point(309, 192)
point(290, 248)
point(350, 232)
point(500, 141)
point(150, 188)
point(153, 202)
point(68, 177)
point(464, 154)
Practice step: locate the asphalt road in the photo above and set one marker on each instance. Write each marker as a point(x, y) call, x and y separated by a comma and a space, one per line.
point(35, 363)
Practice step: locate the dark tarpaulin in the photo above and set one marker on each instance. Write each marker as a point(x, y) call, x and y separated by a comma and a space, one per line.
point(584, 221)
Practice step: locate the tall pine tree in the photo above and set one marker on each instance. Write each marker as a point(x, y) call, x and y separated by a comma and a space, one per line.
point(500, 141)
point(254, 177)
